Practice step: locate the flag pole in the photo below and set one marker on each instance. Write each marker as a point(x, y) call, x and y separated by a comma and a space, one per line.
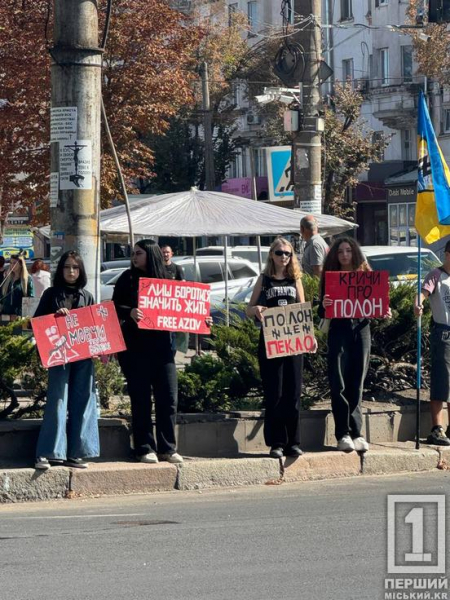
point(419, 342)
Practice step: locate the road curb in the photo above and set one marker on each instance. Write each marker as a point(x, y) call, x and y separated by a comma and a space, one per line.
point(24, 485)
point(201, 474)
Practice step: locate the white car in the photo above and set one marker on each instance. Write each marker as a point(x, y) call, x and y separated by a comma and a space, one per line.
point(250, 253)
point(210, 269)
point(400, 261)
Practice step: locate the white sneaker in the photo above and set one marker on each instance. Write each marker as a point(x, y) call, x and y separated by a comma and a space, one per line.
point(173, 458)
point(360, 444)
point(150, 458)
point(345, 444)
point(42, 464)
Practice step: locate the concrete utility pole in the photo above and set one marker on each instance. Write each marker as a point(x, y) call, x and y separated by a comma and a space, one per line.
point(306, 145)
point(210, 178)
point(75, 135)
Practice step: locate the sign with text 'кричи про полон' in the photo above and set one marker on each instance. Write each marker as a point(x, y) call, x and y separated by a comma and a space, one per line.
point(289, 330)
point(174, 305)
point(83, 333)
point(357, 294)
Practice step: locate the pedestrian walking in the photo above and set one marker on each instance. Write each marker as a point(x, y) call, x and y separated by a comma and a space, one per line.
point(436, 288)
point(349, 343)
point(148, 363)
point(69, 431)
point(40, 273)
point(279, 284)
point(16, 286)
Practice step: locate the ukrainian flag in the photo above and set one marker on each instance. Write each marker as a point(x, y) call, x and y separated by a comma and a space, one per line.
point(433, 182)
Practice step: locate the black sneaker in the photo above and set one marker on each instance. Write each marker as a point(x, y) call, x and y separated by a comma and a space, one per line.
point(293, 451)
point(438, 437)
point(77, 463)
point(276, 453)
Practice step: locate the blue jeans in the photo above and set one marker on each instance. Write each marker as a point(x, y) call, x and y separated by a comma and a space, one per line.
point(70, 425)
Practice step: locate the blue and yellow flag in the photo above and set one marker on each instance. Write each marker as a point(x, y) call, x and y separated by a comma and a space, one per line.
point(433, 182)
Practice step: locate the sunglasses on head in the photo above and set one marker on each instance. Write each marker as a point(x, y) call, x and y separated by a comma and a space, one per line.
point(283, 253)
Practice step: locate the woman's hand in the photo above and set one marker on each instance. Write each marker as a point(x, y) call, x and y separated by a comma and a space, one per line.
point(136, 314)
point(209, 321)
point(418, 310)
point(62, 311)
point(388, 314)
point(259, 311)
point(327, 301)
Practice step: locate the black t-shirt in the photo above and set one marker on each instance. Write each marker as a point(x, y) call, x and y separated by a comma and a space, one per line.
point(174, 272)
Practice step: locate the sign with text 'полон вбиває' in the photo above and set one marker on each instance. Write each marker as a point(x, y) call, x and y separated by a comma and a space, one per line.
point(83, 333)
point(174, 305)
point(357, 294)
point(289, 330)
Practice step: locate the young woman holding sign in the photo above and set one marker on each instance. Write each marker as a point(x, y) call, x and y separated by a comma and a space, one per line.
point(279, 284)
point(348, 352)
point(148, 363)
point(69, 431)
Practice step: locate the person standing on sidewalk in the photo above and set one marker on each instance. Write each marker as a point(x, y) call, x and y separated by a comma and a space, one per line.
point(279, 284)
point(19, 286)
point(316, 247)
point(69, 431)
point(40, 274)
point(173, 271)
point(348, 352)
point(436, 287)
point(148, 363)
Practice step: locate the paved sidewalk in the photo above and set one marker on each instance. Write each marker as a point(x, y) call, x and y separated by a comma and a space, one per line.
point(19, 483)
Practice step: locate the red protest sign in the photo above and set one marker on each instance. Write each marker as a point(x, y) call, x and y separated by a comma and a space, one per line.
point(357, 294)
point(83, 333)
point(174, 305)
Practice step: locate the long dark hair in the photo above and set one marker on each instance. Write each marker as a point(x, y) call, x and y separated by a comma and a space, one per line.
point(59, 280)
point(331, 263)
point(155, 261)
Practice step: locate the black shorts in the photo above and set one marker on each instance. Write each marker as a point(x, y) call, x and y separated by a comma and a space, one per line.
point(440, 364)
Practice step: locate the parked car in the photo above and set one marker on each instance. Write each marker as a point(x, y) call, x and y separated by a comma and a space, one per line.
point(210, 269)
point(121, 263)
point(400, 261)
point(250, 253)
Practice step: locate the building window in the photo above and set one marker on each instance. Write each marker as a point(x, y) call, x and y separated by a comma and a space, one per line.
point(380, 3)
point(346, 10)
point(376, 137)
point(260, 162)
point(384, 66)
point(407, 64)
point(252, 12)
point(232, 10)
point(347, 70)
point(401, 224)
point(446, 120)
point(406, 144)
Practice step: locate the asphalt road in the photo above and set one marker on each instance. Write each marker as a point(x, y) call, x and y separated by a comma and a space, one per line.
point(318, 540)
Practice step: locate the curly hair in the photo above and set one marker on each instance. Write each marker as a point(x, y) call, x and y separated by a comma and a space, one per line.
point(293, 270)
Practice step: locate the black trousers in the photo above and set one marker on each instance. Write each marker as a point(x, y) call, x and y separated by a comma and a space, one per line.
point(282, 385)
point(348, 361)
point(144, 375)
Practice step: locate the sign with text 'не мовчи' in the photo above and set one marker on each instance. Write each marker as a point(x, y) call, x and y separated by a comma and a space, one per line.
point(174, 305)
point(289, 330)
point(83, 333)
point(357, 294)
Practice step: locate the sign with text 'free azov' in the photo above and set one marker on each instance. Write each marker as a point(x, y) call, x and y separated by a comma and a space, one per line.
point(174, 305)
point(357, 294)
point(289, 330)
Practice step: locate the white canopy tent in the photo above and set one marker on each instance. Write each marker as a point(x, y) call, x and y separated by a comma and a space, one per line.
point(198, 213)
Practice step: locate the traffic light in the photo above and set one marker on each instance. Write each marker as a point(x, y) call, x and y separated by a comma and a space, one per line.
point(439, 11)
